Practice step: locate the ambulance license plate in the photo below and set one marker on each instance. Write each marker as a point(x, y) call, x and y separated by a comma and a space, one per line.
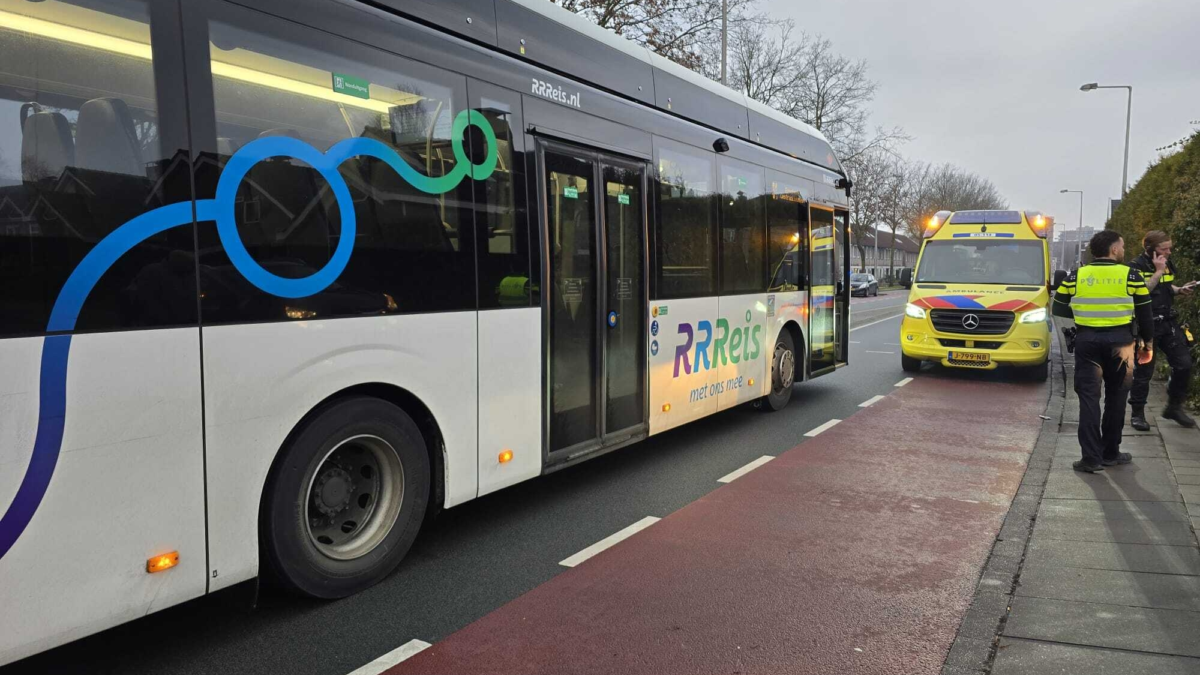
point(970, 356)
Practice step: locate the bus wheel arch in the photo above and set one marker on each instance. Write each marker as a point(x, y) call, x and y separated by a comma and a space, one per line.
point(400, 487)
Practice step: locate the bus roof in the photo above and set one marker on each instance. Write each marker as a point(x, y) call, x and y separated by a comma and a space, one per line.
point(552, 35)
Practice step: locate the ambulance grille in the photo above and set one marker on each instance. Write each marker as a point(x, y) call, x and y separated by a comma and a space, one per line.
point(991, 322)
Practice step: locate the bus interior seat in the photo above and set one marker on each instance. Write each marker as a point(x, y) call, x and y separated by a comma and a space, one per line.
point(105, 139)
point(227, 146)
point(409, 219)
point(46, 146)
point(287, 191)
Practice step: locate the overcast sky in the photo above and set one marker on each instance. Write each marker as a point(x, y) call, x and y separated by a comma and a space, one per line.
point(994, 86)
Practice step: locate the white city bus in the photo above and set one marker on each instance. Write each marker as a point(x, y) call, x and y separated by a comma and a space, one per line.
point(280, 279)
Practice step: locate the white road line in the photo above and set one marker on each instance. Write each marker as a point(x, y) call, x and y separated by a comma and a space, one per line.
point(870, 402)
point(871, 352)
point(410, 648)
point(854, 342)
point(730, 477)
point(823, 427)
point(868, 325)
point(609, 542)
point(903, 382)
point(892, 344)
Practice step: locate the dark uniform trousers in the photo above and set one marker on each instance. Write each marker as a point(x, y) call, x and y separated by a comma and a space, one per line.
point(1103, 357)
point(1170, 341)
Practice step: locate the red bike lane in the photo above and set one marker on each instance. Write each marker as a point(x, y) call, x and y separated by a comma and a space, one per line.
point(858, 551)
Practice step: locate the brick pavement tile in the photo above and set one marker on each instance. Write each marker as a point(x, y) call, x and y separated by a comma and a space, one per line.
point(1186, 463)
point(1133, 589)
point(1099, 486)
point(1091, 509)
point(1104, 555)
point(1023, 657)
point(1188, 480)
point(1126, 531)
point(1190, 493)
point(1185, 471)
point(1162, 631)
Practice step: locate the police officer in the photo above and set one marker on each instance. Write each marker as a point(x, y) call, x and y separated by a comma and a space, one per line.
point(1155, 266)
point(1104, 298)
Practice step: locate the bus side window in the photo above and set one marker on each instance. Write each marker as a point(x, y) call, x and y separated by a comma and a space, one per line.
point(80, 155)
point(501, 215)
point(413, 249)
point(787, 248)
point(685, 264)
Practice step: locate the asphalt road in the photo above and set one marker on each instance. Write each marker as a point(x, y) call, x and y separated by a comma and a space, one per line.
point(481, 555)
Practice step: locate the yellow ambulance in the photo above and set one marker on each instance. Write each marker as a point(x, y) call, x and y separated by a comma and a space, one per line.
point(979, 295)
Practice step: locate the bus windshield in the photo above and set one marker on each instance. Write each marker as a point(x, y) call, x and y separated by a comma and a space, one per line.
point(982, 261)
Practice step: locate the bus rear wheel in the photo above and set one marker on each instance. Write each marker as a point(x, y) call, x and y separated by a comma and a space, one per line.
point(345, 499)
point(783, 373)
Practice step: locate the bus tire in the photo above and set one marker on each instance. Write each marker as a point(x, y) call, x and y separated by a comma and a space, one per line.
point(783, 372)
point(910, 364)
point(345, 499)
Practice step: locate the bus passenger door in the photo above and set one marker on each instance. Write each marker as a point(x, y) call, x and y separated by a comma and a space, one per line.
point(595, 307)
point(822, 292)
point(841, 301)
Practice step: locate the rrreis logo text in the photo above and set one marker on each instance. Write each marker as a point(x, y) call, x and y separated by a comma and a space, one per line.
point(555, 93)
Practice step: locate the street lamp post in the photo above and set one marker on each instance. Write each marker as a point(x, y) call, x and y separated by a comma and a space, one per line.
point(1128, 113)
point(1079, 232)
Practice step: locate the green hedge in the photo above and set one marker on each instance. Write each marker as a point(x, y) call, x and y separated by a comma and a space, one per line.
point(1168, 198)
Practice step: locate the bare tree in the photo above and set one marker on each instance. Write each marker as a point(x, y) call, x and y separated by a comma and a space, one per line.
point(802, 76)
point(680, 30)
point(946, 187)
point(870, 173)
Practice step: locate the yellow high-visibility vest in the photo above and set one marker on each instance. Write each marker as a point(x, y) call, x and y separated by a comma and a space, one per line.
point(1104, 294)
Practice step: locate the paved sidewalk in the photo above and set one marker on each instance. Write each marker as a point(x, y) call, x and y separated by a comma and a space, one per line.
point(1108, 579)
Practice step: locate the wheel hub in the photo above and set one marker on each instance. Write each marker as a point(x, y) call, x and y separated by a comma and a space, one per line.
point(785, 369)
point(332, 490)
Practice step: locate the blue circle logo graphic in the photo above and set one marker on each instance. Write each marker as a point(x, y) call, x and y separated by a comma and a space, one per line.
point(654, 327)
point(654, 347)
point(612, 319)
point(56, 349)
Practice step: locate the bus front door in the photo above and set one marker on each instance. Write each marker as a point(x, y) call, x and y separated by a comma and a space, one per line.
point(595, 307)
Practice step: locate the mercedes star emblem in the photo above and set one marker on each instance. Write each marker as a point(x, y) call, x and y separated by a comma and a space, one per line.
point(970, 322)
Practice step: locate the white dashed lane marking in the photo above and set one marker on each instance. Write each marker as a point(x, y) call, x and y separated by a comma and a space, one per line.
point(903, 382)
point(408, 649)
point(823, 427)
point(609, 542)
point(870, 402)
point(730, 477)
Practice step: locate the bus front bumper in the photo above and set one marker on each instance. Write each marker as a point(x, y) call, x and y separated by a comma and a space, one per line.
point(1025, 344)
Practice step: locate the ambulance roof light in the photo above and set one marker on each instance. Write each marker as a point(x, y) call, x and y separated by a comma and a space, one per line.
point(1039, 223)
point(935, 222)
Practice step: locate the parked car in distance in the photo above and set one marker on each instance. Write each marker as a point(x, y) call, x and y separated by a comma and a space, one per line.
point(863, 284)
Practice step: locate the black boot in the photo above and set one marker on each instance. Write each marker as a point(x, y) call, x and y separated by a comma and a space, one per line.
point(1138, 419)
point(1174, 411)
